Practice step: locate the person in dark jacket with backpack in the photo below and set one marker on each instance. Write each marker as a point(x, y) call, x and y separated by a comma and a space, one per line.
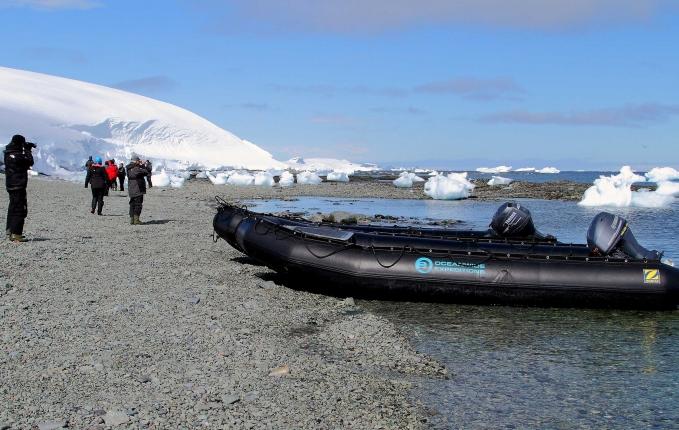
point(98, 179)
point(136, 188)
point(18, 160)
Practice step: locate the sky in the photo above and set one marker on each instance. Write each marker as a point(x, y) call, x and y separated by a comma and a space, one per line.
point(577, 84)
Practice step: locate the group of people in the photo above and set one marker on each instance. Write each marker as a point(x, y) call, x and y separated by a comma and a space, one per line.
point(101, 177)
point(18, 160)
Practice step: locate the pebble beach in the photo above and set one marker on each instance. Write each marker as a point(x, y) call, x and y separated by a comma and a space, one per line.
point(108, 325)
point(157, 326)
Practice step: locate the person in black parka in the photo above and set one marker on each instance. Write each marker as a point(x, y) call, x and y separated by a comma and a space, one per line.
point(136, 188)
point(121, 176)
point(18, 160)
point(98, 179)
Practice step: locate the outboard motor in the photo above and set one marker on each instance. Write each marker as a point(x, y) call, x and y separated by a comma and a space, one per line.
point(609, 233)
point(513, 220)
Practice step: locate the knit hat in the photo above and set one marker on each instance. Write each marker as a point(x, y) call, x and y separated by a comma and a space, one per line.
point(97, 160)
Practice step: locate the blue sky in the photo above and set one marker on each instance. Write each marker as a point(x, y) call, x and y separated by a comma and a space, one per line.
point(461, 83)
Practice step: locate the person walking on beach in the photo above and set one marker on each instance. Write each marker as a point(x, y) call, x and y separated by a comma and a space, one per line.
point(121, 176)
point(112, 173)
point(88, 163)
point(136, 188)
point(97, 178)
point(149, 167)
point(18, 160)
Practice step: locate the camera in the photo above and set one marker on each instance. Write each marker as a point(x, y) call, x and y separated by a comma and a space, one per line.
point(30, 145)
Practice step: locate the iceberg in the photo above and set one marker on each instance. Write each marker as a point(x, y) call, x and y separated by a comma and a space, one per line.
point(499, 180)
point(548, 170)
point(71, 120)
point(667, 188)
point(662, 174)
point(308, 178)
point(264, 179)
point(406, 180)
point(327, 165)
point(526, 169)
point(616, 190)
point(454, 186)
point(240, 179)
point(498, 169)
point(338, 177)
point(286, 179)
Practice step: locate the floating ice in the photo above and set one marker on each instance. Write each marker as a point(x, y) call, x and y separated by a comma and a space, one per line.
point(338, 177)
point(406, 180)
point(499, 180)
point(286, 179)
point(454, 186)
point(616, 190)
point(526, 169)
point(240, 179)
point(662, 174)
point(551, 170)
point(498, 169)
point(309, 178)
point(668, 188)
point(264, 179)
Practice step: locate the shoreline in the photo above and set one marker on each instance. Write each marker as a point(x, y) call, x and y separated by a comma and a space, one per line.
point(156, 326)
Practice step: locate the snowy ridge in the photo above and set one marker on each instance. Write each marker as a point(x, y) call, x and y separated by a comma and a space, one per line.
point(70, 120)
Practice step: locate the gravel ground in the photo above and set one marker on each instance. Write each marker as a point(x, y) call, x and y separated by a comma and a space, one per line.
point(107, 325)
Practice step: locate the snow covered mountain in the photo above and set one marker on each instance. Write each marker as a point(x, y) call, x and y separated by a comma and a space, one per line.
point(70, 120)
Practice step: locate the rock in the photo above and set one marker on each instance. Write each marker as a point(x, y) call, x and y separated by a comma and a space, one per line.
point(144, 378)
point(116, 418)
point(280, 371)
point(194, 300)
point(52, 425)
point(268, 285)
point(349, 301)
point(230, 399)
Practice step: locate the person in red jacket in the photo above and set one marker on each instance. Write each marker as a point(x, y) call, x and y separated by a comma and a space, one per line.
point(112, 173)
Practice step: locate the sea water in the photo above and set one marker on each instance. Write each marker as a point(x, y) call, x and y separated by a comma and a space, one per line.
point(513, 367)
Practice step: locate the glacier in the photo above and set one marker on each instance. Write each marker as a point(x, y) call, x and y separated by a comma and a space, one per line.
point(71, 120)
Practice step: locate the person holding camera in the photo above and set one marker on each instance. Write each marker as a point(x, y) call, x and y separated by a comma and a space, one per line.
point(136, 188)
point(98, 179)
point(18, 160)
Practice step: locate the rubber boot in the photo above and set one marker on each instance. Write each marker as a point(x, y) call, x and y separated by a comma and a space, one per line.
point(132, 220)
point(136, 220)
point(18, 238)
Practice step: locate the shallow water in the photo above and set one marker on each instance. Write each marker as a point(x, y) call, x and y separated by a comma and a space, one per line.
point(516, 367)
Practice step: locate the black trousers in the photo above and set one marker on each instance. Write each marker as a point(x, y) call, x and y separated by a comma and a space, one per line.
point(136, 204)
point(98, 199)
point(122, 182)
point(17, 211)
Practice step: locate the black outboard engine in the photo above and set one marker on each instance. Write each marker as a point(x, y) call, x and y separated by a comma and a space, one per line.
point(513, 220)
point(609, 233)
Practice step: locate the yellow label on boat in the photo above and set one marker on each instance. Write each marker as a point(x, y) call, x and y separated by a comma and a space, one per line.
point(651, 276)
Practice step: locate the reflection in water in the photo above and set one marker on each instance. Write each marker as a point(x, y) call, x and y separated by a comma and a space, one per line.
point(545, 368)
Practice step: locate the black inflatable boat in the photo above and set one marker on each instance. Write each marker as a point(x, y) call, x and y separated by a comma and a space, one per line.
point(511, 263)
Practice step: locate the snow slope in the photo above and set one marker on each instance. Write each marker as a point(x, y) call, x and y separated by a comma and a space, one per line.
point(70, 120)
